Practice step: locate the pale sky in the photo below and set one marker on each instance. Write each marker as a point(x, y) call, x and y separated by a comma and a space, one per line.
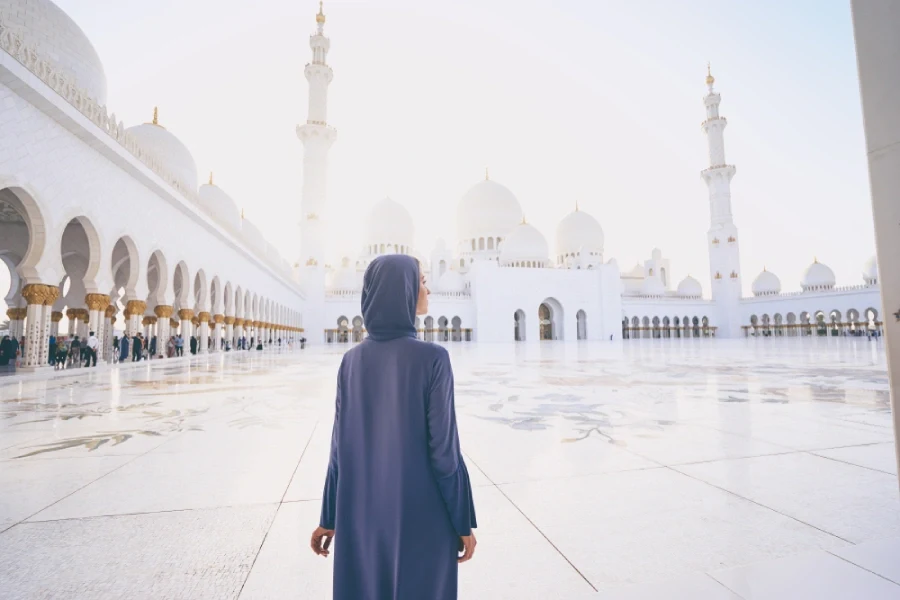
point(597, 101)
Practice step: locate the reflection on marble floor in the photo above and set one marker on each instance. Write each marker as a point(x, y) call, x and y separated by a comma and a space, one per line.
point(655, 469)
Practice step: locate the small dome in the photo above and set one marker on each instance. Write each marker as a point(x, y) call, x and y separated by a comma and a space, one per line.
point(870, 271)
point(488, 209)
point(524, 243)
point(389, 223)
point(653, 286)
point(766, 284)
point(577, 233)
point(451, 282)
point(690, 288)
point(817, 277)
point(636, 271)
point(220, 206)
point(169, 152)
point(346, 279)
point(55, 37)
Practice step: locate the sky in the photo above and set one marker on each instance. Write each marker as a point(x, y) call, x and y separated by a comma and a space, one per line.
point(596, 102)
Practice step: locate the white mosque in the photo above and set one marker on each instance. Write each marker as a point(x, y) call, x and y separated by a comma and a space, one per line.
point(94, 216)
point(501, 282)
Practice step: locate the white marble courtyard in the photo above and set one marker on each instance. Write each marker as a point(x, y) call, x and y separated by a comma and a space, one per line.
point(664, 469)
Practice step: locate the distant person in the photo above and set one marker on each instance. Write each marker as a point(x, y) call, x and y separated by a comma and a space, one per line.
point(193, 344)
point(179, 345)
point(137, 348)
point(61, 353)
point(51, 349)
point(75, 351)
point(6, 351)
point(123, 348)
point(92, 344)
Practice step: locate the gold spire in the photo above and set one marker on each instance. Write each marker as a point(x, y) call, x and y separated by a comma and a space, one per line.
point(156, 115)
point(242, 214)
point(320, 17)
point(576, 205)
point(709, 78)
point(486, 178)
point(524, 222)
point(210, 178)
point(816, 259)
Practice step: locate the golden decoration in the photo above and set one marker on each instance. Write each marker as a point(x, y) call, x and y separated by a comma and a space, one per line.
point(219, 319)
point(82, 314)
point(731, 239)
point(96, 301)
point(111, 310)
point(135, 307)
point(709, 78)
point(715, 241)
point(146, 321)
point(56, 316)
point(204, 317)
point(186, 314)
point(718, 275)
point(195, 322)
point(13, 314)
point(210, 178)
point(70, 313)
point(312, 217)
point(152, 320)
point(39, 293)
point(320, 17)
point(163, 311)
point(229, 320)
point(734, 275)
point(312, 262)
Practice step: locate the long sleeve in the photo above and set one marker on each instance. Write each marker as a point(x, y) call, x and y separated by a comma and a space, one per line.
point(329, 496)
point(447, 462)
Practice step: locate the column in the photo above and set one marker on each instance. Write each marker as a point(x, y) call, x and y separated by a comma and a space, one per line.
point(146, 321)
point(203, 342)
point(40, 299)
point(238, 330)
point(163, 314)
point(219, 320)
point(97, 304)
point(55, 317)
point(108, 330)
point(229, 330)
point(83, 321)
point(134, 312)
point(875, 26)
point(73, 316)
point(186, 314)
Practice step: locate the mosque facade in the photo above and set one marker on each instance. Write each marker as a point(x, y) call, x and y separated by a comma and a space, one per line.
point(501, 282)
point(105, 227)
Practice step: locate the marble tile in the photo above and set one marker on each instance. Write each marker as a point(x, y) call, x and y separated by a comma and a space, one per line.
point(851, 502)
point(817, 575)
point(657, 524)
point(880, 457)
point(881, 557)
point(196, 554)
point(28, 487)
point(692, 587)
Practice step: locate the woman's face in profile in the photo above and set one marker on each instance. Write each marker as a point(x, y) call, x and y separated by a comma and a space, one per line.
point(422, 301)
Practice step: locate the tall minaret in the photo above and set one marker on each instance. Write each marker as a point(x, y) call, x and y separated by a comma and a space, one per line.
point(317, 137)
point(724, 254)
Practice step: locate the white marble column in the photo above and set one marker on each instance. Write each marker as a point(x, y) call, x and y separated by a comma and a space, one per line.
point(229, 331)
point(203, 342)
point(55, 318)
point(40, 299)
point(163, 314)
point(876, 24)
point(134, 313)
point(97, 304)
point(73, 319)
point(186, 314)
point(218, 323)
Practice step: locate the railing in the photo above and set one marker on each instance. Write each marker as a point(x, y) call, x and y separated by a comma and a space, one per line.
point(832, 290)
point(66, 88)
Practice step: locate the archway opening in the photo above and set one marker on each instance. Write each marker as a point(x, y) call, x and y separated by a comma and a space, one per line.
point(581, 323)
point(519, 319)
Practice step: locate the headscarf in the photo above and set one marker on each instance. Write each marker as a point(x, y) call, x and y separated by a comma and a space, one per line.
point(389, 297)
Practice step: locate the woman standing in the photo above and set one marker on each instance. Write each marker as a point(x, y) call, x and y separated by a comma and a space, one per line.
point(397, 499)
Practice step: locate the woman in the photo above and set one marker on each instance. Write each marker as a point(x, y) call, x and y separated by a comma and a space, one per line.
point(397, 498)
point(5, 351)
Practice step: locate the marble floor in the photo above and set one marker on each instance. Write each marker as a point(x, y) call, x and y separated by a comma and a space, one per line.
point(652, 469)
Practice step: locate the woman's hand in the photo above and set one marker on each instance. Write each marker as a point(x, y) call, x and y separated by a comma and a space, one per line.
point(316, 542)
point(466, 547)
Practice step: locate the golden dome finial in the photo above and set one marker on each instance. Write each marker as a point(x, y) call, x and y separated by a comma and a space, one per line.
point(242, 214)
point(709, 78)
point(156, 115)
point(524, 222)
point(486, 176)
point(576, 205)
point(320, 17)
point(210, 178)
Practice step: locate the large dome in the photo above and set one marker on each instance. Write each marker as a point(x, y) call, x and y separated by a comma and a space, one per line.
point(56, 38)
point(220, 205)
point(169, 152)
point(690, 288)
point(766, 284)
point(524, 244)
point(817, 277)
point(389, 223)
point(870, 271)
point(488, 209)
point(579, 233)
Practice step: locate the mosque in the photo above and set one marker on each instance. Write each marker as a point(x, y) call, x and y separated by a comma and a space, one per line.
point(500, 281)
point(94, 214)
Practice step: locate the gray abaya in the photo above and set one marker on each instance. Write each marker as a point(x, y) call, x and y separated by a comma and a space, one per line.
point(397, 492)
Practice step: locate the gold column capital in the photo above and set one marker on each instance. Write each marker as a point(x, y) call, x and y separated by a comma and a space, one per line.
point(96, 301)
point(145, 321)
point(195, 322)
point(135, 307)
point(238, 322)
point(71, 313)
point(40, 293)
point(82, 314)
point(56, 316)
point(174, 323)
point(111, 311)
point(219, 318)
point(186, 314)
point(229, 320)
point(204, 317)
point(163, 311)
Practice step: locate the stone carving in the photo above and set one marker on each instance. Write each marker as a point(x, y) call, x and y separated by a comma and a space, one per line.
point(39, 293)
point(96, 301)
point(111, 311)
point(56, 316)
point(135, 307)
point(163, 311)
point(186, 314)
point(229, 320)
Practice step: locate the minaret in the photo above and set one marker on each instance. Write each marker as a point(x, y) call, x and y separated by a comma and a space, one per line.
point(724, 254)
point(317, 137)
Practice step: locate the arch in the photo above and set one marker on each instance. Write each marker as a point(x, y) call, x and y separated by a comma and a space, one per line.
point(20, 200)
point(125, 266)
point(581, 325)
point(215, 296)
point(357, 324)
point(429, 329)
point(238, 302)
point(443, 334)
point(456, 329)
point(550, 316)
point(80, 244)
point(519, 320)
point(229, 299)
point(157, 279)
point(481, 243)
point(200, 292)
point(871, 315)
point(343, 329)
point(181, 285)
point(490, 243)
